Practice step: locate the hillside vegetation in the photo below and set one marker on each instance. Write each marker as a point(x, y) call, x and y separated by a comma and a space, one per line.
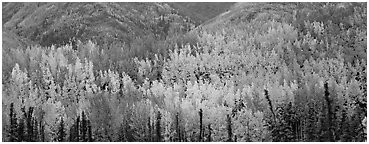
point(201, 11)
point(290, 72)
point(103, 23)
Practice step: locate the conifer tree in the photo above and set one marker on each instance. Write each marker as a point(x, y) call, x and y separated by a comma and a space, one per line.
point(35, 136)
point(25, 126)
point(201, 130)
point(61, 131)
point(77, 129)
point(21, 131)
point(329, 118)
point(89, 131)
point(29, 124)
point(209, 131)
point(158, 127)
point(42, 131)
point(270, 104)
point(13, 124)
point(229, 128)
point(149, 138)
point(83, 127)
point(72, 133)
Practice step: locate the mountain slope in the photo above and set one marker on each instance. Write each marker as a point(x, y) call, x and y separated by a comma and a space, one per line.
point(103, 23)
point(247, 12)
point(201, 11)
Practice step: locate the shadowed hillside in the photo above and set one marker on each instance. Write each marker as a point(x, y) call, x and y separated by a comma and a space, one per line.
point(103, 23)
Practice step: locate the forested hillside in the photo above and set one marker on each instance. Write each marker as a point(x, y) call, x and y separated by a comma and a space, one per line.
point(201, 11)
point(290, 72)
point(103, 23)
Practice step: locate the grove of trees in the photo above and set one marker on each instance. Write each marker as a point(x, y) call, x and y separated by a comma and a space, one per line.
point(271, 78)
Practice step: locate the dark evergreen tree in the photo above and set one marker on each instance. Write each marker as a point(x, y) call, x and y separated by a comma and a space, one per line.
point(25, 133)
point(83, 127)
point(329, 116)
point(270, 105)
point(35, 136)
point(29, 124)
point(77, 130)
point(229, 128)
point(149, 137)
point(20, 136)
point(201, 130)
point(61, 131)
point(13, 124)
point(89, 130)
point(42, 132)
point(158, 128)
point(72, 133)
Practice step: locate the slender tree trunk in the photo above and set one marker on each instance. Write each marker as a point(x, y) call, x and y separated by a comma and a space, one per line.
point(248, 130)
point(89, 131)
point(42, 132)
point(200, 136)
point(177, 128)
point(229, 128)
point(209, 136)
point(270, 105)
point(83, 127)
point(77, 138)
point(149, 137)
point(329, 117)
point(35, 130)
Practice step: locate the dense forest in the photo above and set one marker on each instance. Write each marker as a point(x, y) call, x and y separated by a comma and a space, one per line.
point(290, 72)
